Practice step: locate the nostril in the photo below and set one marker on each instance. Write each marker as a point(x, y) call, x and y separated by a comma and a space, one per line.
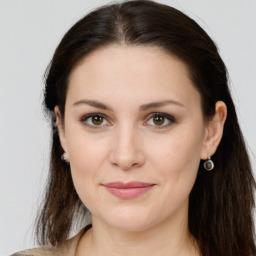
point(127, 161)
point(126, 152)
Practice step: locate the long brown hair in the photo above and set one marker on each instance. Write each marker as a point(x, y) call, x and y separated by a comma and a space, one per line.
point(221, 201)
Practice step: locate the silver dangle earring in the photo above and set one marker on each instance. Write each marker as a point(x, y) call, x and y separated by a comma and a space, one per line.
point(208, 164)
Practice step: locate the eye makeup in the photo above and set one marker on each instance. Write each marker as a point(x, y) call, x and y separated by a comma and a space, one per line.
point(157, 120)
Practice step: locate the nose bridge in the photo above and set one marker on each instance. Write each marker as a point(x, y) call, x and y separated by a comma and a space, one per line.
point(126, 148)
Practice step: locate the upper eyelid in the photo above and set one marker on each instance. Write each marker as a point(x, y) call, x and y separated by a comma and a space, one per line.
point(165, 115)
point(84, 117)
point(147, 116)
point(160, 113)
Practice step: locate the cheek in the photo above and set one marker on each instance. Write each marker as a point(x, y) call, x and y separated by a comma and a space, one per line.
point(177, 165)
point(177, 158)
point(86, 151)
point(85, 163)
point(87, 154)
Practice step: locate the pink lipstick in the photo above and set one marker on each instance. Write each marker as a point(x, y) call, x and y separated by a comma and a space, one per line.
point(128, 190)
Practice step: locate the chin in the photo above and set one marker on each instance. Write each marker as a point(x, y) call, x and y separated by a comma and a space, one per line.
point(130, 225)
point(129, 219)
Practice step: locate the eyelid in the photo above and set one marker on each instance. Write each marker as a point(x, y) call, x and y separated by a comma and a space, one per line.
point(84, 118)
point(170, 118)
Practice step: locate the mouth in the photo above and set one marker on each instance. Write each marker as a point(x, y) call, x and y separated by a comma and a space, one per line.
point(128, 190)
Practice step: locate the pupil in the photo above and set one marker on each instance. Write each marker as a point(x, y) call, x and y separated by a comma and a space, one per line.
point(159, 120)
point(97, 120)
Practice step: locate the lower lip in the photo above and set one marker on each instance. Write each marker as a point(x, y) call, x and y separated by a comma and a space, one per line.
point(128, 193)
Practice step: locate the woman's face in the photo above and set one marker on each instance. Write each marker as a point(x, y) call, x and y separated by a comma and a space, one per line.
point(134, 135)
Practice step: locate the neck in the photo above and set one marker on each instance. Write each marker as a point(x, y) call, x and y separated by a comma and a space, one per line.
point(170, 237)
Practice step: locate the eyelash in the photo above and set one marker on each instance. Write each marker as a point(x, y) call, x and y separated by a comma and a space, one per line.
point(85, 118)
point(167, 117)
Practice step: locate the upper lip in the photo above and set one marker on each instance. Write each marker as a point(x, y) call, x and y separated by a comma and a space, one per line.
point(132, 184)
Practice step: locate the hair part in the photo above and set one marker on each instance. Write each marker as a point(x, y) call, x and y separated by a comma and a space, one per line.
point(221, 202)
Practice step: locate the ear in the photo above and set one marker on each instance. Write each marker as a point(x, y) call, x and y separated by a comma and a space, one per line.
point(214, 130)
point(61, 131)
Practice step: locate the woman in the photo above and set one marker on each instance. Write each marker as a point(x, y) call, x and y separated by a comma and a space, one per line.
point(146, 139)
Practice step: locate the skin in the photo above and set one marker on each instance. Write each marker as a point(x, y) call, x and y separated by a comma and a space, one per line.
point(128, 144)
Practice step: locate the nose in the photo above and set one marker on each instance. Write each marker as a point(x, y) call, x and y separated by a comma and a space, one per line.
point(127, 149)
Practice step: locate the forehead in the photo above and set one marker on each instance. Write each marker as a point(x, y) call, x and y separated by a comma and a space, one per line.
point(133, 59)
point(142, 71)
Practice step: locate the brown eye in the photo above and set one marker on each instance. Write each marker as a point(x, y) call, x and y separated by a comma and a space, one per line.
point(158, 120)
point(97, 120)
point(94, 120)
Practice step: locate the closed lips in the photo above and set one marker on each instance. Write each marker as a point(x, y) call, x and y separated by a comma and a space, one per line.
point(128, 190)
point(134, 184)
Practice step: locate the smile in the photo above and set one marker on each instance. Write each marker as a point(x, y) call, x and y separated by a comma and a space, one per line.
point(128, 190)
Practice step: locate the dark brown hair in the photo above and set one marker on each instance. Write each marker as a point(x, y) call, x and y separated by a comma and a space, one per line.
point(221, 201)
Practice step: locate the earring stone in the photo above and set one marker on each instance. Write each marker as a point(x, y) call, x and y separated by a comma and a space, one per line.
point(208, 164)
point(64, 157)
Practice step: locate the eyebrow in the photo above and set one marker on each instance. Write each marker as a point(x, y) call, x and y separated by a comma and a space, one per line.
point(93, 103)
point(143, 107)
point(158, 104)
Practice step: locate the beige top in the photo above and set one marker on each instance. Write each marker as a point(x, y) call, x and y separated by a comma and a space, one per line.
point(68, 248)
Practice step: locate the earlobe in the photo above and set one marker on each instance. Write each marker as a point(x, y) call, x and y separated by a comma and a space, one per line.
point(60, 128)
point(214, 130)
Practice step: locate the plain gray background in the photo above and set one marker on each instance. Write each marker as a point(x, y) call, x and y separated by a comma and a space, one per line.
point(29, 33)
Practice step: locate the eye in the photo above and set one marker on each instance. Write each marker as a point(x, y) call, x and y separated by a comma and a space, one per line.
point(160, 120)
point(94, 120)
